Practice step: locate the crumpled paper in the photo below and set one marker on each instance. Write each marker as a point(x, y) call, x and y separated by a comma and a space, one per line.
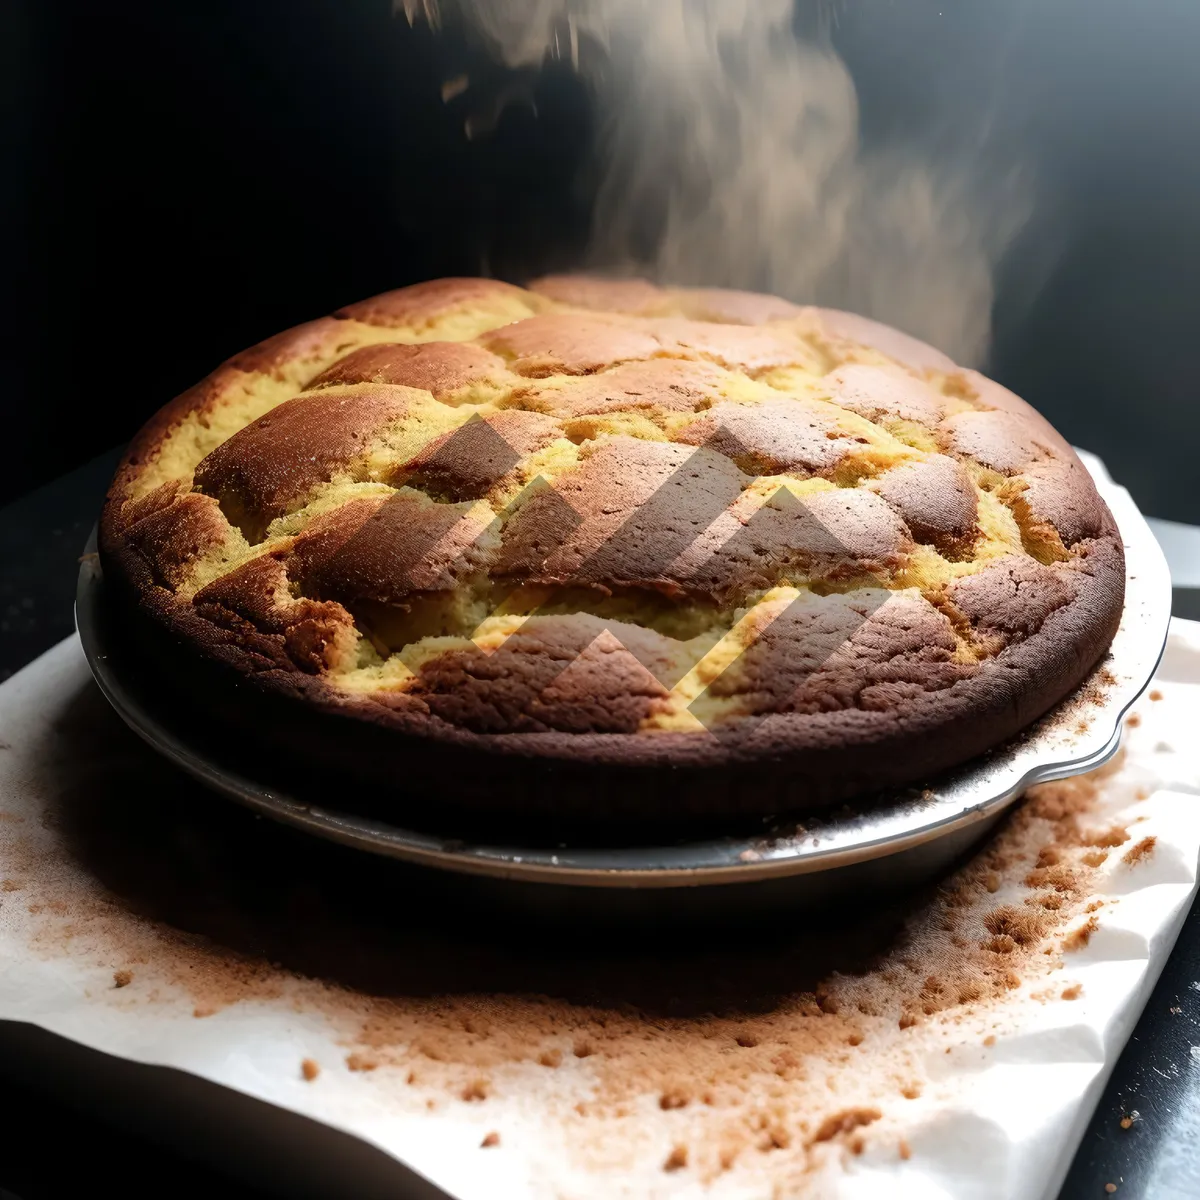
point(141, 917)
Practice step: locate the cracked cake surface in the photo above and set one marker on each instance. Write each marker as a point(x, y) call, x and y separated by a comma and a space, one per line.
point(591, 526)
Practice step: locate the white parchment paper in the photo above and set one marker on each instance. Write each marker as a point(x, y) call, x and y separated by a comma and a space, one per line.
point(976, 1100)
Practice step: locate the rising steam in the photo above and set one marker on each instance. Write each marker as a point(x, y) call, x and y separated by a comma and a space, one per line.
point(730, 155)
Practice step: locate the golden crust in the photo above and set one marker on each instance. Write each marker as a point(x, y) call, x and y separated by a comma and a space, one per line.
point(612, 523)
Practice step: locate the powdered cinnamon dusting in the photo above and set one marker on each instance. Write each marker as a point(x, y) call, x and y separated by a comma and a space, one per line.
point(793, 1044)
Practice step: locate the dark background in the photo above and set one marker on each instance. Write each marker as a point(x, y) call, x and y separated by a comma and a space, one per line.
point(181, 179)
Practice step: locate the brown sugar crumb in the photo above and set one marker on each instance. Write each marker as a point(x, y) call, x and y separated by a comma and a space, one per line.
point(673, 1098)
point(990, 1040)
point(1078, 938)
point(1133, 720)
point(1156, 695)
point(490, 1140)
point(1142, 850)
point(361, 1062)
point(677, 1159)
point(122, 978)
point(309, 1069)
point(1110, 1188)
point(1024, 928)
point(1108, 838)
point(550, 1058)
point(905, 1150)
point(911, 1091)
point(1130, 1119)
point(1073, 992)
point(476, 1091)
point(1095, 858)
point(846, 1121)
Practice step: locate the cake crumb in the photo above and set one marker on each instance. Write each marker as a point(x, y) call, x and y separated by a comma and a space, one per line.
point(1073, 992)
point(1142, 850)
point(489, 1140)
point(361, 1062)
point(905, 1150)
point(1156, 695)
point(1110, 1188)
point(122, 978)
point(1133, 720)
point(990, 1040)
point(911, 1091)
point(1078, 938)
point(846, 1121)
point(310, 1069)
point(476, 1091)
point(1130, 1119)
point(677, 1159)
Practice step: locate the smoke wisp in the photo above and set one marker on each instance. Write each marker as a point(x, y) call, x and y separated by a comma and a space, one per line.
point(729, 155)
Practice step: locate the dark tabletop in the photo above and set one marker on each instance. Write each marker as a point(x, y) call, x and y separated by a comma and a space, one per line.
point(41, 536)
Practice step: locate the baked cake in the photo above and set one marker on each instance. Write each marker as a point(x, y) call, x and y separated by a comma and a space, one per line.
point(605, 546)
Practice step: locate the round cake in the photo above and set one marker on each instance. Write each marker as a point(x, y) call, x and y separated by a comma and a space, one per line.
point(605, 548)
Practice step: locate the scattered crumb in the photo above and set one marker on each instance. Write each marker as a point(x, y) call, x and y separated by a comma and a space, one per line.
point(677, 1159)
point(489, 1140)
point(1130, 1119)
point(1156, 694)
point(1175, 1010)
point(1142, 850)
point(911, 1091)
point(1078, 938)
point(905, 1150)
point(122, 978)
point(1133, 720)
point(310, 1069)
point(1073, 992)
point(990, 1040)
point(1110, 1188)
point(845, 1122)
point(361, 1062)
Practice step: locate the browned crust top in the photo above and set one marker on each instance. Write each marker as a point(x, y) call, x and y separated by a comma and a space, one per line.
point(616, 523)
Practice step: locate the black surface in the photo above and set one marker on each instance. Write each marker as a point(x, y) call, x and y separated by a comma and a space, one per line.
point(1157, 1158)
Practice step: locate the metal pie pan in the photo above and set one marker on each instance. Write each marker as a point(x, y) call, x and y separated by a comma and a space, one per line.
point(897, 839)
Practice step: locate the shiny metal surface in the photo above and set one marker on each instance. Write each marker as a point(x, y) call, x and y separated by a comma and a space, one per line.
point(918, 832)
